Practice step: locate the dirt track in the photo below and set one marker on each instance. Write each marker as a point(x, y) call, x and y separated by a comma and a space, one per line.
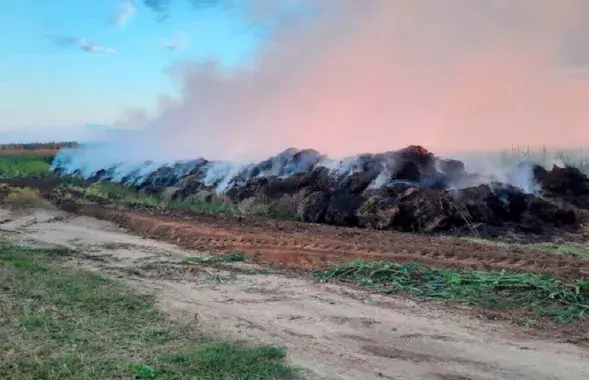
point(310, 246)
point(335, 332)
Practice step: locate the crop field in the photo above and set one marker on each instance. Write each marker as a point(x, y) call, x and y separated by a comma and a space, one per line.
point(175, 280)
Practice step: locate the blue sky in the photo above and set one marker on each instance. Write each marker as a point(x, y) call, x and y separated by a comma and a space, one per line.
point(58, 65)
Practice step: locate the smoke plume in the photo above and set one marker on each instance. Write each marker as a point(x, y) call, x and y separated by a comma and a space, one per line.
point(368, 76)
point(371, 76)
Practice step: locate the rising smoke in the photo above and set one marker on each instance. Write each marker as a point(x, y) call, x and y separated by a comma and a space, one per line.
point(367, 76)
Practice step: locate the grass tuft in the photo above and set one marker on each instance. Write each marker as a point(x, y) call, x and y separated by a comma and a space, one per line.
point(58, 323)
point(222, 258)
point(543, 295)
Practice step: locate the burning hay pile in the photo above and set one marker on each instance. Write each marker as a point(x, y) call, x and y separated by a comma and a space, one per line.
point(408, 190)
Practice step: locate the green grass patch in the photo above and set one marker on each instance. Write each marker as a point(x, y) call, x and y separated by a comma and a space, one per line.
point(543, 295)
point(23, 165)
point(222, 258)
point(205, 207)
point(126, 195)
point(129, 196)
point(110, 190)
point(58, 323)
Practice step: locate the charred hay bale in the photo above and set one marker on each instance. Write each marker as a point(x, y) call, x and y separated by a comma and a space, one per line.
point(453, 169)
point(255, 187)
point(321, 180)
point(189, 185)
point(273, 165)
point(98, 176)
point(413, 162)
point(286, 206)
point(539, 172)
point(158, 180)
point(378, 211)
point(493, 205)
point(169, 175)
point(407, 171)
point(272, 187)
point(544, 210)
point(302, 162)
point(286, 163)
point(514, 202)
point(342, 209)
point(568, 184)
point(171, 193)
point(426, 210)
point(357, 182)
point(277, 187)
point(313, 207)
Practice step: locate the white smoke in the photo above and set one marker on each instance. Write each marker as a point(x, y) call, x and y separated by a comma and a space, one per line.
point(353, 76)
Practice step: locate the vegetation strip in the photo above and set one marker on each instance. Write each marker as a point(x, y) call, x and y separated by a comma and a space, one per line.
point(221, 258)
point(61, 323)
point(19, 165)
point(545, 296)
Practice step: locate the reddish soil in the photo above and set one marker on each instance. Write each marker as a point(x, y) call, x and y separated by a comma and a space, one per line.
point(298, 245)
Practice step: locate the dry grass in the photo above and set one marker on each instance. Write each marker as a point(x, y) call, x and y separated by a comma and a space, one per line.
point(23, 197)
point(557, 249)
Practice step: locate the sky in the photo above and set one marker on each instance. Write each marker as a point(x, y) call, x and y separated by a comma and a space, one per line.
point(72, 62)
point(339, 76)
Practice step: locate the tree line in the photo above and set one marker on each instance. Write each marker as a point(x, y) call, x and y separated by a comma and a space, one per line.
point(37, 146)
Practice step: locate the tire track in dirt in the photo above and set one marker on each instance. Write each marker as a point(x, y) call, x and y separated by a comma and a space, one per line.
point(302, 246)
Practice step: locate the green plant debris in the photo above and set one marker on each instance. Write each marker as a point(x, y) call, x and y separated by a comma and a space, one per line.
point(59, 323)
point(222, 258)
point(543, 295)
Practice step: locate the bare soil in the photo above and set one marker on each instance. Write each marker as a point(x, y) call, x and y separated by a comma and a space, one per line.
point(297, 245)
point(335, 332)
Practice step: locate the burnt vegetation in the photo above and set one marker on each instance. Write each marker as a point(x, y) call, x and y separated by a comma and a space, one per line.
point(408, 190)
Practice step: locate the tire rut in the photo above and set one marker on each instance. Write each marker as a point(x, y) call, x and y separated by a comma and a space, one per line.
point(284, 244)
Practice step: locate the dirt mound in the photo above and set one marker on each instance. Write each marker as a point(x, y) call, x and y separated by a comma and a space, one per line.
point(408, 190)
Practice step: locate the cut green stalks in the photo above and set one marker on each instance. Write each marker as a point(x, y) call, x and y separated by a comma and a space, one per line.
point(543, 295)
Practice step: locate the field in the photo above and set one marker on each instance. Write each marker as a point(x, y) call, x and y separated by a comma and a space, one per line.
point(167, 289)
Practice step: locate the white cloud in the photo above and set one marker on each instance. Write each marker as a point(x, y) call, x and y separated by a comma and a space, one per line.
point(125, 12)
point(177, 42)
point(87, 46)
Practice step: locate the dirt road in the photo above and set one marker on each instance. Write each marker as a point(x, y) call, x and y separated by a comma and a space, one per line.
point(333, 331)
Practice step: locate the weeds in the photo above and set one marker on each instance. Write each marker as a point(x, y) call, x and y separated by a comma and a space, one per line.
point(23, 197)
point(131, 197)
point(223, 258)
point(58, 323)
point(205, 207)
point(543, 295)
